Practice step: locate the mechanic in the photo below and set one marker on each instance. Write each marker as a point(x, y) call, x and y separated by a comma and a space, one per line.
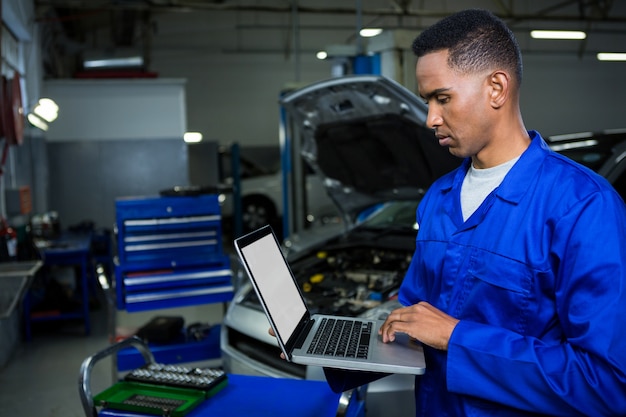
point(517, 287)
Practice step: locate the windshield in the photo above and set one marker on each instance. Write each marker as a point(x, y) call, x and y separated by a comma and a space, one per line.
point(395, 214)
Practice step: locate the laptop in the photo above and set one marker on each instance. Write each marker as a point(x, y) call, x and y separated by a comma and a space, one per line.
point(296, 329)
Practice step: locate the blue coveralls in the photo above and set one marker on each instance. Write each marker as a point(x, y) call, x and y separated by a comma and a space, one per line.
point(537, 276)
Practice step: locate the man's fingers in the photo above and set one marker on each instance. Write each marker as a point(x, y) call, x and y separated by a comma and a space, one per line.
point(389, 329)
point(271, 332)
point(421, 321)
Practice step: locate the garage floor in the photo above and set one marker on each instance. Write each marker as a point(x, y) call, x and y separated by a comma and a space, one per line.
point(41, 378)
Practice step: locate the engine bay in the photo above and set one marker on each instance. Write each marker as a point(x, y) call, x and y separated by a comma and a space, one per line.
point(348, 281)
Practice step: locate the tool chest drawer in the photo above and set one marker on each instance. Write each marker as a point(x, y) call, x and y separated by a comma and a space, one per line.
point(147, 290)
point(149, 280)
point(170, 252)
point(169, 231)
point(180, 239)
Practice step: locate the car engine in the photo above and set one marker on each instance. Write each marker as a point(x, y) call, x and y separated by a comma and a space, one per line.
point(349, 282)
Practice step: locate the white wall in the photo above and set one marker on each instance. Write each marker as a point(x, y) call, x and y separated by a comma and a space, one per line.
point(234, 97)
point(235, 73)
point(117, 109)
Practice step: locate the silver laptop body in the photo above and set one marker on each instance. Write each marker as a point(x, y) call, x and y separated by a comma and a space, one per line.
point(295, 327)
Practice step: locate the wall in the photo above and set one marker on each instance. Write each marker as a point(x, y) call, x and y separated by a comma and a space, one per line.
point(87, 176)
point(232, 91)
point(25, 164)
point(560, 94)
point(240, 104)
point(565, 94)
point(235, 76)
point(117, 109)
point(113, 138)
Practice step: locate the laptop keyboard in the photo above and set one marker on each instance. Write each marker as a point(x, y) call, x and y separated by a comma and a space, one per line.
point(343, 338)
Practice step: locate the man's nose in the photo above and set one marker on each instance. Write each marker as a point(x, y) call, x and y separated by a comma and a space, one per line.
point(433, 119)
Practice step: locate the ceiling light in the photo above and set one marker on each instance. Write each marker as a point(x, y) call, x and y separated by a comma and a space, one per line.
point(574, 145)
point(611, 56)
point(558, 34)
point(570, 136)
point(37, 122)
point(614, 131)
point(133, 61)
point(47, 109)
point(370, 32)
point(321, 55)
point(192, 137)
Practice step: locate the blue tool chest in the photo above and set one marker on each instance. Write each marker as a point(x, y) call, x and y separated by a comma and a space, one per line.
point(170, 253)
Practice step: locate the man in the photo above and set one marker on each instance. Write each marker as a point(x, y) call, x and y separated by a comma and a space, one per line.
point(517, 287)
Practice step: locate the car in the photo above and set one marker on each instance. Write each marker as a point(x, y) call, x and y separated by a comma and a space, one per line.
point(365, 138)
point(603, 152)
point(261, 192)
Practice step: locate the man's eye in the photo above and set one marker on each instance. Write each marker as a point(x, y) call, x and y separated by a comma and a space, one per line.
point(443, 99)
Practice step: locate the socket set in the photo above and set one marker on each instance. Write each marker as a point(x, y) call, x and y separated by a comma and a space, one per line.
point(203, 379)
point(158, 400)
point(164, 390)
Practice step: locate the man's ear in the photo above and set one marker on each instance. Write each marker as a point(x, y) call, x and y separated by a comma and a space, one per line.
point(499, 88)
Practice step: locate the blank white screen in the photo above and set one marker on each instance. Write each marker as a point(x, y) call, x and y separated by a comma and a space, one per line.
point(278, 289)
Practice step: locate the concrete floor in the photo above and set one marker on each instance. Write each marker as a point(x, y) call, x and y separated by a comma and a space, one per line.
point(41, 377)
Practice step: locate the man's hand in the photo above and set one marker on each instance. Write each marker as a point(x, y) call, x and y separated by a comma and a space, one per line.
point(420, 321)
point(271, 332)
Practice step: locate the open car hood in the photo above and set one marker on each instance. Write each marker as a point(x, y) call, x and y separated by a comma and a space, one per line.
point(366, 136)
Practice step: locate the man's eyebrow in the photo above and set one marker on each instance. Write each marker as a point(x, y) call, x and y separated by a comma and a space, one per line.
point(430, 95)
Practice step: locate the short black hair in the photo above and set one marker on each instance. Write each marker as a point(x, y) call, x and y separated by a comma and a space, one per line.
point(476, 40)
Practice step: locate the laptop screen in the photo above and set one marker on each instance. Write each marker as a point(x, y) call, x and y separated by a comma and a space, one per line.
point(277, 288)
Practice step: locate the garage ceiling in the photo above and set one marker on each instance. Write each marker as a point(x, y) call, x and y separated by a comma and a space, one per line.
point(73, 29)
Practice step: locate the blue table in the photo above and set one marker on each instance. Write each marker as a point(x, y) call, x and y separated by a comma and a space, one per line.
point(70, 249)
point(246, 395)
point(243, 395)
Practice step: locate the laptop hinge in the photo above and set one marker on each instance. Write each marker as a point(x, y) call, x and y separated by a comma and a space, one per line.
point(303, 334)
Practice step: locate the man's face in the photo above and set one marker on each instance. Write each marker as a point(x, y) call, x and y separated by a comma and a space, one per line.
point(458, 104)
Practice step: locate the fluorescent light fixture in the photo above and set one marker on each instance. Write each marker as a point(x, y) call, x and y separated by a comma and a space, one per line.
point(571, 136)
point(614, 131)
point(192, 137)
point(133, 61)
point(370, 32)
point(574, 145)
point(558, 34)
point(611, 56)
point(321, 55)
